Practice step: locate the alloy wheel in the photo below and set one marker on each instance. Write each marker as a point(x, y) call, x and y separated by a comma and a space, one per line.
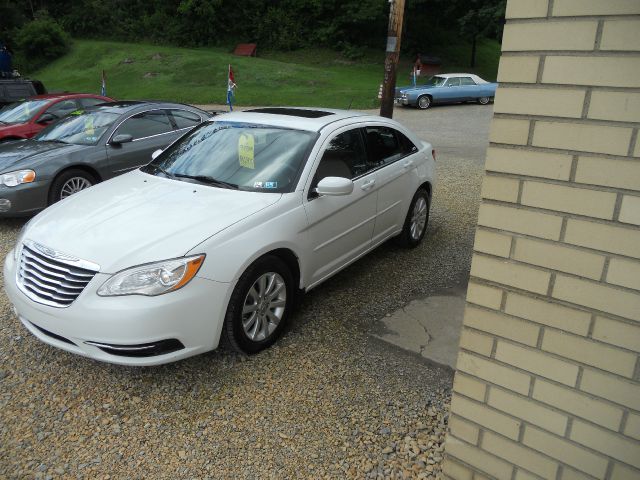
point(418, 218)
point(74, 185)
point(264, 306)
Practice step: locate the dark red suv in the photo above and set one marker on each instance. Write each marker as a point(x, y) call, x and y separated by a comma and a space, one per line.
point(25, 119)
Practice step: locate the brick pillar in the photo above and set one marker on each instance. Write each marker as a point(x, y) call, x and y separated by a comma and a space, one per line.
point(548, 380)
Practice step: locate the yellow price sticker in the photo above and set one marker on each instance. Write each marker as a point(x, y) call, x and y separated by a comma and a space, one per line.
point(246, 146)
point(88, 126)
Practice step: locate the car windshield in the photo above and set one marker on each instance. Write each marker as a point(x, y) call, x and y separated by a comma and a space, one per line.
point(21, 112)
point(435, 81)
point(236, 155)
point(80, 128)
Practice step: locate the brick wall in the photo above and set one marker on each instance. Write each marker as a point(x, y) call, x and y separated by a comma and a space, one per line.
point(548, 380)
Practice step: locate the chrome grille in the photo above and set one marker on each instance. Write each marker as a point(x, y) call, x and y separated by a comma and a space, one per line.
point(56, 282)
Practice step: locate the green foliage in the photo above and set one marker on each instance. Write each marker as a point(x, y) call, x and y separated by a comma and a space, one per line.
point(40, 41)
point(483, 18)
point(281, 25)
point(313, 77)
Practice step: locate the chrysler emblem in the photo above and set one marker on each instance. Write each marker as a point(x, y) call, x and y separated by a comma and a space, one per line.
point(51, 253)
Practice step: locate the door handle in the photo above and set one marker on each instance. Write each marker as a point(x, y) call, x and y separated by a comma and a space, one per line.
point(407, 164)
point(368, 185)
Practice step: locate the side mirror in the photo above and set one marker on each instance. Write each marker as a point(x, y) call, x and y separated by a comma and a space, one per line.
point(334, 186)
point(121, 138)
point(46, 118)
point(155, 154)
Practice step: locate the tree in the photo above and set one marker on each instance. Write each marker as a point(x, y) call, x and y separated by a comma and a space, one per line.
point(484, 18)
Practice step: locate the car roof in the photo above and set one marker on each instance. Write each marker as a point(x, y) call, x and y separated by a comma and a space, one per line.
point(53, 96)
point(457, 75)
point(301, 118)
point(124, 106)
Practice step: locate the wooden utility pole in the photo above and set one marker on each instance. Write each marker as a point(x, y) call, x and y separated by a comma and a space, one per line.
point(396, 15)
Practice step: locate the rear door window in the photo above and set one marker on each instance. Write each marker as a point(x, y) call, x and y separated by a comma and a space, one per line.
point(184, 118)
point(146, 124)
point(383, 145)
point(465, 81)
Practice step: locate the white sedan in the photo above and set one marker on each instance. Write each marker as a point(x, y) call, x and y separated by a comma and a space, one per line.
point(212, 240)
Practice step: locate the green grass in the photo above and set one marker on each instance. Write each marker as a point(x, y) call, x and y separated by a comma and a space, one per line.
point(305, 77)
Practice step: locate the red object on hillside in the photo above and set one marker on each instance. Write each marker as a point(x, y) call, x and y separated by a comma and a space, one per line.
point(246, 49)
point(25, 119)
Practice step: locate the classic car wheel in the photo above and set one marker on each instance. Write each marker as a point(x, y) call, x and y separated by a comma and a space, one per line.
point(259, 306)
point(484, 100)
point(424, 102)
point(69, 182)
point(415, 224)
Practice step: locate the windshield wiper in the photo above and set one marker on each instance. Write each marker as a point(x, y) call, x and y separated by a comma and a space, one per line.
point(53, 140)
point(208, 180)
point(161, 170)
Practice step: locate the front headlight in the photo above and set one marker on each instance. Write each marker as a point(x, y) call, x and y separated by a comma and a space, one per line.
point(154, 278)
point(18, 177)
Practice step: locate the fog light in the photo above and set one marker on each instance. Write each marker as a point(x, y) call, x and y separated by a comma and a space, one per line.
point(5, 204)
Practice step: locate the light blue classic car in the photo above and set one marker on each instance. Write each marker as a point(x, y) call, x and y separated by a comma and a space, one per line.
point(447, 88)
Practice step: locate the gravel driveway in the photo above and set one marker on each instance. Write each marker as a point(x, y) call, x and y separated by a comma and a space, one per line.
point(328, 401)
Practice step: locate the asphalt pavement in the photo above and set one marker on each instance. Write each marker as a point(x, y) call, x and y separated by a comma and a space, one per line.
point(330, 400)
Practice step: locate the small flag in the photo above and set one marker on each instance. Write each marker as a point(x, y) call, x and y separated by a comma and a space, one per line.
point(103, 89)
point(231, 86)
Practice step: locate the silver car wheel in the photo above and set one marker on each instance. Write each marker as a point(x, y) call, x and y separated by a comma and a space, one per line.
point(264, 306)
point(424, 102)
point(74, 185)
point(483, 100)
point(418, 218)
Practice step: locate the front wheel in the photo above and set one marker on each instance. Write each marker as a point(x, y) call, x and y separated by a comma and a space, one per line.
point(415, 224)
point(69, 182)
point(259, 306)
point(424, 102)
point(484, 100)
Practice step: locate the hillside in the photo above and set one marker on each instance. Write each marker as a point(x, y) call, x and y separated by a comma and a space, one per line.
point(307, 77)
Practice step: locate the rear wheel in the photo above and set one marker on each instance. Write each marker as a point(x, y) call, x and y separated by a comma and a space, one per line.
point(424, 102)
point(70, 182)
point(259, 306)
point(415, 224)
point(484, 100)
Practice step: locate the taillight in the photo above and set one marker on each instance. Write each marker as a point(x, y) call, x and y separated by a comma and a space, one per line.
point(433, 154)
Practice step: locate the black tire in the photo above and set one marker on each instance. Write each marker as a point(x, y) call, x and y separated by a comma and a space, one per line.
point(233, 330)
point(484, 100)
point(59, 183)
point(407, 237)
point(424, 102)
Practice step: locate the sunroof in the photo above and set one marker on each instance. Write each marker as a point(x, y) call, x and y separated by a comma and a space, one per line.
point(293, 112)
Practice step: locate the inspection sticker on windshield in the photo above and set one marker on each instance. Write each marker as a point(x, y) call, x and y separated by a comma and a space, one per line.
point(265, 184)
point(246, 150)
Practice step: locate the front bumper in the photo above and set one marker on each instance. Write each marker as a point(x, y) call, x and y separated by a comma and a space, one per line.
point(25, 199)
point(192, 316)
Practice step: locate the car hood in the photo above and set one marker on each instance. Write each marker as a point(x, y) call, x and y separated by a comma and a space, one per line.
point(139, 218)
point(28, 153)
point(411, 87)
